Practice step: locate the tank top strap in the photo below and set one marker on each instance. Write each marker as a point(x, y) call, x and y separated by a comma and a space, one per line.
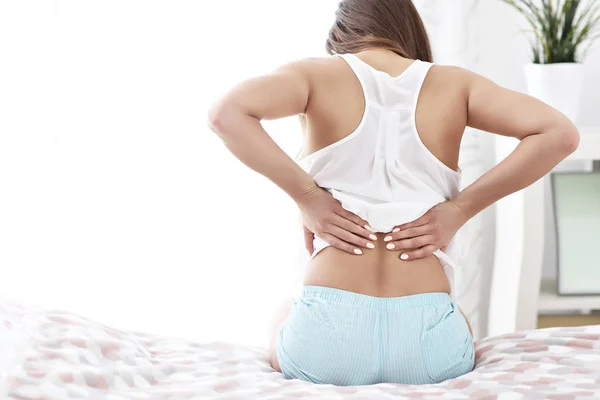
point(401, 91)
point(360, 68)
point(363, 73)
point(414, 76)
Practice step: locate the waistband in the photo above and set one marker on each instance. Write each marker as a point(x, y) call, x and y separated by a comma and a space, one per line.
point(376, 303)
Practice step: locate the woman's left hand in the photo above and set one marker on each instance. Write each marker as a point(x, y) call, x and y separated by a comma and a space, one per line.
point(433, 231)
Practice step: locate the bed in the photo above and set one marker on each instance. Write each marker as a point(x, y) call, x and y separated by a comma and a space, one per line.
point(57, 355)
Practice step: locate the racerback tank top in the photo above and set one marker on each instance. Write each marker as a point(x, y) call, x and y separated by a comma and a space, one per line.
point(382, 171)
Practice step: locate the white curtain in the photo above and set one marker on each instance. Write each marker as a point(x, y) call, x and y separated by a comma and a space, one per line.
point(116, 202)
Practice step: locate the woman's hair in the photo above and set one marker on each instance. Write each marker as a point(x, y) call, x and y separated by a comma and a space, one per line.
point(389, 24)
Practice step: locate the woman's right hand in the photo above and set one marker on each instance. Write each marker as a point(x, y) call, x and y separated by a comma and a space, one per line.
point(325, 217)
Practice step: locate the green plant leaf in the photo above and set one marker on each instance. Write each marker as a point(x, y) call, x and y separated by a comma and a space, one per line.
point(561, 28)
point(569, 10)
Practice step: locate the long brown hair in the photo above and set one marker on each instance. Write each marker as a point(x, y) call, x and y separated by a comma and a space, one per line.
point(390, 24)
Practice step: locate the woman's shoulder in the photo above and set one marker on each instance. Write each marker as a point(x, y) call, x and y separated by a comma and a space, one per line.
point(450, 72)
point(321, 67)
point(449, 77)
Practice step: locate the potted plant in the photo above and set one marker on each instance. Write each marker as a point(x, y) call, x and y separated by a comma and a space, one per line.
point(562, 31)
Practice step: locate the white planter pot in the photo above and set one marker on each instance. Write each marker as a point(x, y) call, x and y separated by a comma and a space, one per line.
point(558, 85)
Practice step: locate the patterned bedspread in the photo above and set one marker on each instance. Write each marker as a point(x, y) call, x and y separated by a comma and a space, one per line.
point(57, 355)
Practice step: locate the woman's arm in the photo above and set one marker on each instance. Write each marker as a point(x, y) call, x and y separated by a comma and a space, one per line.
point(236, 118)
point(546, 137)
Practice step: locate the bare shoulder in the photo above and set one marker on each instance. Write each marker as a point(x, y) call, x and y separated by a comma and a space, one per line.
point(315, 68)
point(331, 84)
point(451, 78)
point(314, 65)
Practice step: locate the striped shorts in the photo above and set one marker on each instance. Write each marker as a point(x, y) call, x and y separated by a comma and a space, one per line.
point(342, 338)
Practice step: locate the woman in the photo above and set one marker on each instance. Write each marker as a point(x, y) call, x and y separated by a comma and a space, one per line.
point(378, 189)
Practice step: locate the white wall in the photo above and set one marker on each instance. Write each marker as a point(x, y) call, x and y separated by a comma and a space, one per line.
point(116, 202)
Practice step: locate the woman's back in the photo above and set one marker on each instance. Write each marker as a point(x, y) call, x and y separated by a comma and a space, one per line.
point(391, 130)
point(382, 134)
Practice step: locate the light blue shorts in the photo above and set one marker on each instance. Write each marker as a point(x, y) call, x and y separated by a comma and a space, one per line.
point(342, 338)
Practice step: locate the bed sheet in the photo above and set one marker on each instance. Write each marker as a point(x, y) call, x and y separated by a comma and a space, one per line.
point(57, 355)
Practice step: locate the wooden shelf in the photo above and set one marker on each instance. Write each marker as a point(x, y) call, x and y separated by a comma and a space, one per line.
point(550, 301)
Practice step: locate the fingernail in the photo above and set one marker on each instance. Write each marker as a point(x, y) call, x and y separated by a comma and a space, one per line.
point(373, 237)
point(358, 251)
point(390, 246)
point(396, 230)
point(367, 227)
point(387, 238)
point(370, 245)
point(404, 257)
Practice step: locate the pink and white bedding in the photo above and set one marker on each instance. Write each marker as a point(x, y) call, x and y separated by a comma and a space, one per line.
point(56, 355)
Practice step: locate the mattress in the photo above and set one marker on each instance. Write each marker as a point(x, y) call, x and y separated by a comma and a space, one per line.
point(58, 355)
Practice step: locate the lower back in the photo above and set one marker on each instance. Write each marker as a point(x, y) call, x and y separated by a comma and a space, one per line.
point(378, 272)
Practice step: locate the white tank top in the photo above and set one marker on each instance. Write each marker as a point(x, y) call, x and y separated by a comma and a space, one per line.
point(382, 171)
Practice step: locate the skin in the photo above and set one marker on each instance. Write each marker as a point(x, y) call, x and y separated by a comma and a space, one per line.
point(328, 97)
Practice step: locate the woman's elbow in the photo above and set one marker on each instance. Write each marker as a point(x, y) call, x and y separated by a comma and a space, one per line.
point(568, 138)
point(228, 120)
point(218, 118)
